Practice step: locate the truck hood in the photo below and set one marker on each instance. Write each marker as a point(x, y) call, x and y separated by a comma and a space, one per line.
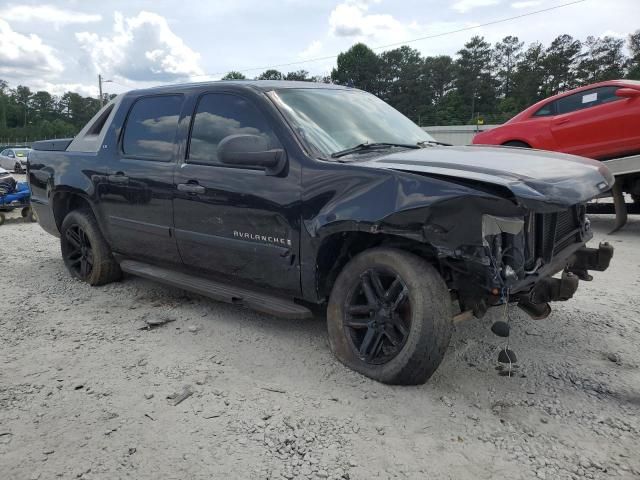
point(537, 179)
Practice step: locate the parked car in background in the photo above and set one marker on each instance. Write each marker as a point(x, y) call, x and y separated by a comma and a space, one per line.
point(4, 173)
point(600, 121)
point(14, 159)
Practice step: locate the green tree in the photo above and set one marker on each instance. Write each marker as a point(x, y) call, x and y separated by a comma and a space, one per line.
point(474, 83)
point(358, 67)
point(440, 73)
point(561, 59)
point(43, 105)
point(401, 80)
point(603, 60)
point(234, 75)
point(4, 87)
point(507, 54)
point(633, 63)
point(530, 76)
point(270, 75)
point(299, 75)
point(22, 97)
point(437, 80)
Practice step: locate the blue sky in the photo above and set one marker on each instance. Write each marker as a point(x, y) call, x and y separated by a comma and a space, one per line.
point(61, 45)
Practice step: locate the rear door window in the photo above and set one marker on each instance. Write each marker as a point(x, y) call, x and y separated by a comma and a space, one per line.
point(150, 131)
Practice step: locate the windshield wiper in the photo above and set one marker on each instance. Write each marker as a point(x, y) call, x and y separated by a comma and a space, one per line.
point(433, 142)
point(371, 146)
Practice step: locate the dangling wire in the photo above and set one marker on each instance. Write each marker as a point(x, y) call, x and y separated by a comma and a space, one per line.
point(507, 319)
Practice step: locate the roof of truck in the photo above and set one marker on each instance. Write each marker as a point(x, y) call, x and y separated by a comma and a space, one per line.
point(263, 85)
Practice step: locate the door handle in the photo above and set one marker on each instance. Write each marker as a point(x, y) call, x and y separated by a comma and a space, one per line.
point(191, 188)
point(118, 178)
point(563, 121)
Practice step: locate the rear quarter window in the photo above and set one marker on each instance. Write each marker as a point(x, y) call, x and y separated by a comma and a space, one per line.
point(546, 110)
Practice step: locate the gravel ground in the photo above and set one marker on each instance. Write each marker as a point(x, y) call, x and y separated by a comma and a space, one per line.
point(85, 381)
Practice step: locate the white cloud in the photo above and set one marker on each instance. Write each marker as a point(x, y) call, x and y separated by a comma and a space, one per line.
point(47, 13)
point(61, 88)
point(526, 4)
point(464, 6)
point(142, 48)
point(25, 56)
point(351, 19)
point(312, 50)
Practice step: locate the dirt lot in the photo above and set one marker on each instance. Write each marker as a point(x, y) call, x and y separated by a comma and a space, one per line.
point(84, 386)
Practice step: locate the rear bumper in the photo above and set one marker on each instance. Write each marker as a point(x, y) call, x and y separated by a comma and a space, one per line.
point(45, 217)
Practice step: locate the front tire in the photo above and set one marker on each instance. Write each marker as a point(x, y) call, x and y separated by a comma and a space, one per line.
point(390, 317)
point(85, 252)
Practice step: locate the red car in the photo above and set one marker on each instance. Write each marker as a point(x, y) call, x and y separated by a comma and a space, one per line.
point(599, 121)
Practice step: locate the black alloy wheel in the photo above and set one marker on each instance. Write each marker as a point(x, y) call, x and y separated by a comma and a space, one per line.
point(377, 316)
point(79, 253)
point(389, 316)
point(85, 251)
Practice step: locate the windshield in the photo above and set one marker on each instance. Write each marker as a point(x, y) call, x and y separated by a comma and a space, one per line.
point(332, 120)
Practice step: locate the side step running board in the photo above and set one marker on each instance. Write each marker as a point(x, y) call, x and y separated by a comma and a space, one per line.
point(218, 291)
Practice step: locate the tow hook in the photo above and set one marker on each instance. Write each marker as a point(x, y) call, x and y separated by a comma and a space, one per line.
point(536, 305)
point(585, 259)
point(537, 311)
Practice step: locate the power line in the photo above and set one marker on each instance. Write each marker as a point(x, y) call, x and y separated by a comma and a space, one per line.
point(428, 37)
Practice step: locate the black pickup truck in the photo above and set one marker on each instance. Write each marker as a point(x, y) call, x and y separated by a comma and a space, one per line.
point(292, 198)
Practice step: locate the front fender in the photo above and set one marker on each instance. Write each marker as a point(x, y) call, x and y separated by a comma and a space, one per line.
point(426, 209)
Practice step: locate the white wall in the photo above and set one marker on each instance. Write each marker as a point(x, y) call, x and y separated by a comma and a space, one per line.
point(456, 134)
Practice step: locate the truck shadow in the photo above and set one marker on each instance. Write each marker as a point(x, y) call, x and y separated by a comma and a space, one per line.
point(12, 218)
point(602, 224)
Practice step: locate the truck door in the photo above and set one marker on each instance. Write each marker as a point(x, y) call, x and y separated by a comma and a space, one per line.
point(136, 197)
point(239, 223)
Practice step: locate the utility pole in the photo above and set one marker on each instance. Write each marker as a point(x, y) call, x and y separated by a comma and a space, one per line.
point(100, 82)
point(100, 89)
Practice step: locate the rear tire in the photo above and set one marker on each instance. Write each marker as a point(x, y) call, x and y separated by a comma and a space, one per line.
point(516, 143)
point(2, 218)
point(378, 331)
point(85, 252)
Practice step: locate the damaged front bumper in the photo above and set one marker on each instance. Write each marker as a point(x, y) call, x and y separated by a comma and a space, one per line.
point(535, 300)
point(521, 257)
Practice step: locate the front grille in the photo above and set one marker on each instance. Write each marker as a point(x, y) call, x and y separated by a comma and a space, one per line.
point(556, 231)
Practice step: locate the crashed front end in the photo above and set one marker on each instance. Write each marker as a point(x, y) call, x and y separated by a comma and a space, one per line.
point(521, 254)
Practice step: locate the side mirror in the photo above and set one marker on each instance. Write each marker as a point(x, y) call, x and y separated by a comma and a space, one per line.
point(11, 155)
point(628, 92)
point(251, 151)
